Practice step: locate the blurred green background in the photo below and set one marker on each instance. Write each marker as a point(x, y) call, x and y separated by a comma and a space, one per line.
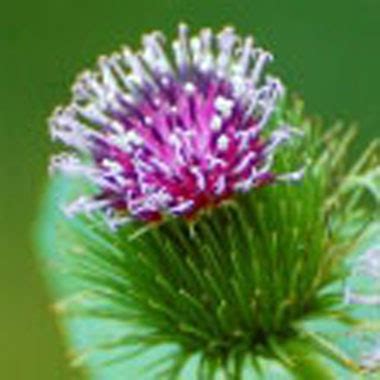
point(327, 51)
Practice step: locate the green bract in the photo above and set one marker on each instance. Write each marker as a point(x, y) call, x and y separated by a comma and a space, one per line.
point(252, 289)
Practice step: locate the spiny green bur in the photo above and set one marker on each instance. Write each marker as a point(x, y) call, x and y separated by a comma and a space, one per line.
point(252, 289)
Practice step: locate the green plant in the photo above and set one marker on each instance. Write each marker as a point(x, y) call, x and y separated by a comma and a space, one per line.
point(197, 248)
point(251, 288)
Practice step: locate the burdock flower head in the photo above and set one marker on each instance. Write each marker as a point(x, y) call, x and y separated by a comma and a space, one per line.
point(252, 288)
point(169, 133)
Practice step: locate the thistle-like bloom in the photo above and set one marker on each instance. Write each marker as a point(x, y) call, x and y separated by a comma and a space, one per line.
point(169, 134)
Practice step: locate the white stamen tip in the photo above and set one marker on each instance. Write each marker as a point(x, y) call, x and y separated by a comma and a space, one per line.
point(117, 127)
point(182, 207)
point(165, 81)
point(223, 143)
point(295, 176)
point(128, 140)
point(148, 120)
point(216, 123)
point(224, 106)
point(84, 205)
point(113, 166)
point(220, 185)
point(189, 88)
